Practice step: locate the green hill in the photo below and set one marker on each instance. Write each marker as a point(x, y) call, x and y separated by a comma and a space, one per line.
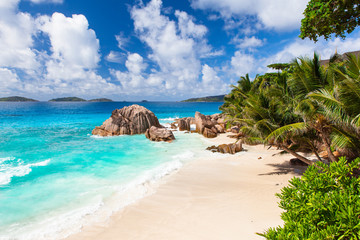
point(17, 99)
point(101, 100)
point(219, 98)
point(68, 99)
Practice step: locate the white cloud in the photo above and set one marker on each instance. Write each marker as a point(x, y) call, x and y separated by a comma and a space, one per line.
point(135, 63)
point(132, 80)
point(306, 48)
point(72, 42)
point(248, 42)
point(71, 68)
point(16, 42)
point(176, 48)
point(10, 82)
point(274, 14)
point(116, 57)
point(121, 40)
point(211, 82)
point(187, 26)
point(242, 63)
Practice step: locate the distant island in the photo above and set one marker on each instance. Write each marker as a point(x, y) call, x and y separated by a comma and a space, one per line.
point(101, 100)
point(68, 99)
point(17, 99)
point(219, 98)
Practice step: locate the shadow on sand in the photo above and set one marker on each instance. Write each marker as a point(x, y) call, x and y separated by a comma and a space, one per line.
point(285, 168)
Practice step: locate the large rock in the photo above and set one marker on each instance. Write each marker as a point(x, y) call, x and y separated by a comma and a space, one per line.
point(209, 133)
point(184, 124)
point(219, 128)
point(129, 120)
point(227, 148)
point(159, 134)
point(203, 122)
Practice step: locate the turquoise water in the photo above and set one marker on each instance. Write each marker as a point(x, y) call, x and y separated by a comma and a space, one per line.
point(55, 176)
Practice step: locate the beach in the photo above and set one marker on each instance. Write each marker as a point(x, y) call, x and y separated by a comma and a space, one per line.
point(222, 197)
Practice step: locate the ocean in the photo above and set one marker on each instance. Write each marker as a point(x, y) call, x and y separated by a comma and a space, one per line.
point(55, 177)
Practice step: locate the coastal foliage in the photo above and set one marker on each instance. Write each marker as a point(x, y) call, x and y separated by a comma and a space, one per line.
point(327, 17)
point(323, 204)
point(304, 107)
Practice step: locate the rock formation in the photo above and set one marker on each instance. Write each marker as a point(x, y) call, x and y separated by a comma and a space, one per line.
point(185, 123)
point(129, 120)
point(206, 125)
point(209, 133)
point(159, 134)
point(227, 148)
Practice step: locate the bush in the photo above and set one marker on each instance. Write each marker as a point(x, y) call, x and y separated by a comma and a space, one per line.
point(323, 204)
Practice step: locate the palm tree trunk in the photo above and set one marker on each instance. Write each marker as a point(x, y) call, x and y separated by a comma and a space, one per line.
point(317, 155)
point(315, 152)
point(295, 154)
point(328, 147)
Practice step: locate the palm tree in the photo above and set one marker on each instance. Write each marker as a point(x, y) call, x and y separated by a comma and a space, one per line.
point(341, 106)
point(307, 76)
point(301, 108)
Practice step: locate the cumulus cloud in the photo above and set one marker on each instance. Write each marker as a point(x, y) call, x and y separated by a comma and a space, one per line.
point(70, 68)
point(116, 57)
point(16, 37)
point(132, 80)
point(176, 47)
point(10, 82)
point(248, 42)
point(276, 14)
point(72, 42)
point(211, 81)
point(242, 63)
point(187, 26)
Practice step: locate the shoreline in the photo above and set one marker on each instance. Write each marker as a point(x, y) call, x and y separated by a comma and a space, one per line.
point(224, 197)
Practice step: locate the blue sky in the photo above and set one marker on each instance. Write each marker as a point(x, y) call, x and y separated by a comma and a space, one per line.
point(154, 50)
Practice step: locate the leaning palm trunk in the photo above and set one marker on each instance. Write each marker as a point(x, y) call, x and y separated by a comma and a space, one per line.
point(295, 154)
point(328, 147)
point(322, 127)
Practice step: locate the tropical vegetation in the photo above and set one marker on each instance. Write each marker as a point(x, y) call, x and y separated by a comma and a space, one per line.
point(323, 204)
point(304, 107)
point(327, 17)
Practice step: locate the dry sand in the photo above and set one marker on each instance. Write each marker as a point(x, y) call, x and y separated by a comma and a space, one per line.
point(230, 197)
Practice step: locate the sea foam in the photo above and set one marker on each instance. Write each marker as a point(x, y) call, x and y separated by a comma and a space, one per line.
point(10, 168)
point(62, 225)
point(171, 119)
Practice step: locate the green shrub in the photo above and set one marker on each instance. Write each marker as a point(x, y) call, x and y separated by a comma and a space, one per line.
point(323, 204)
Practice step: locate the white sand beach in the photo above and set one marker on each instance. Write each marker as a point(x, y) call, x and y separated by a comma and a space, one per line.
point(229, 197)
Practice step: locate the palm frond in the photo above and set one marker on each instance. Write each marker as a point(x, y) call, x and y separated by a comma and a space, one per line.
point(281, 133)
